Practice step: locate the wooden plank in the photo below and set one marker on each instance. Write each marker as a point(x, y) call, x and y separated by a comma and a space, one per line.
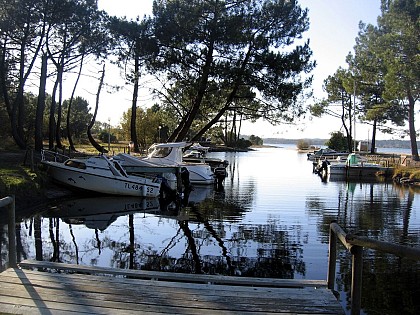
point(196, 292)
point(180, 277)
point(36, 292)
point(60, 281)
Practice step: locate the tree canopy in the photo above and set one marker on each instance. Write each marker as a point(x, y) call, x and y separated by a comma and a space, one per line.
point(216, 61)
point(384, 71)
point(231, 57)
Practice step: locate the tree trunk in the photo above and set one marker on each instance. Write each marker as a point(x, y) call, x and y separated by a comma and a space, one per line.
point(343, 121)
point(96, 145)
point(40, 107)
point(373, 144)
point(200, 93)
point(239, 129)
point(51, 128)
point(60, 101)
point(174, 134)
point(71, 144)
point(411, 126)
point(211, 123)
point(6, 99)
point(133, 129)
point(229, 99)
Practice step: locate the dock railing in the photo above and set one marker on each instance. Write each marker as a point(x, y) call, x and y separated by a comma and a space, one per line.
point(355, 245)
point(9, 203)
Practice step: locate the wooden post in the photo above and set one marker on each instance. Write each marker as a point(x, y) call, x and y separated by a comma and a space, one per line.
point(356, 279)
point(9, 202)
point(332, 257)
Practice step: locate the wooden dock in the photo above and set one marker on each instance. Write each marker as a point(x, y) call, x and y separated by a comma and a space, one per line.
point(38, 287)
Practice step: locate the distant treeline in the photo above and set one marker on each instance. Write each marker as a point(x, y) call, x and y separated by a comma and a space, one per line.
point(379, 143)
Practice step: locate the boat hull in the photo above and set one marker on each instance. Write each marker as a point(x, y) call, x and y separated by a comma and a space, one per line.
point(200, 174)
point(102, 183)
point(356, 171)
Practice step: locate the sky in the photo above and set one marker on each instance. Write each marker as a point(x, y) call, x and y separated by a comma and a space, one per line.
point(334, 25)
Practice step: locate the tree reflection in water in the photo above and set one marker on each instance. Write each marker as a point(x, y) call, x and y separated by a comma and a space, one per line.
point(389, 283)
point(264, 250)
point(270, 220)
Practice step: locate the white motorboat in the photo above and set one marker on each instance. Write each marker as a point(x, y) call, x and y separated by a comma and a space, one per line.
point(137, 166)
point(170, 155)
point(102, 175)
point(198, 154)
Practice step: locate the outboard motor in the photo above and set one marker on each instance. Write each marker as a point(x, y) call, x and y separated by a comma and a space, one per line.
point(220, 175)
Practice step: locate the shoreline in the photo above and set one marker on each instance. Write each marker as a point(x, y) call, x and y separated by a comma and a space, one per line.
point(32, 188)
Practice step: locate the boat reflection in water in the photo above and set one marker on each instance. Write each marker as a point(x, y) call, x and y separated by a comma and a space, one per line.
point(100, 212)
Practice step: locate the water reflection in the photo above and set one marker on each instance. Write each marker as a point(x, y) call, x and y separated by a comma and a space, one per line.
point(100, 212)
point(271, 219)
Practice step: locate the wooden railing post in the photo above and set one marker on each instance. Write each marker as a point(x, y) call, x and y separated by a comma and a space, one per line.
point(9, 202)
point(356, 279)
point(332, 257)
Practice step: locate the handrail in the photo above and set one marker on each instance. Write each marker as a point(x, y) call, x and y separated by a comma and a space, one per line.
point(355, 245)
point(9, 202)
point(55, 155)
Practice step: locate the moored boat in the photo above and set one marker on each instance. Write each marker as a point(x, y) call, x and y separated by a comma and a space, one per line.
point(326, 153)
point(356, 166)
point(101, 175)
point(171, 154)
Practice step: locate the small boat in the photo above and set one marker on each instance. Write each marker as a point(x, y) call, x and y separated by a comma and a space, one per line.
point(355, 166)
point(325, 153)
point(198, 154)
point(171, 154)
point(101, 175)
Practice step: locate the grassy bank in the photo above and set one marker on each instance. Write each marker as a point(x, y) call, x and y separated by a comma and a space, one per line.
point(409, 173)
point(19, 180)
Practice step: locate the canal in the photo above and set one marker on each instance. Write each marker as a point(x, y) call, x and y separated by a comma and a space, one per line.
point(271, 219)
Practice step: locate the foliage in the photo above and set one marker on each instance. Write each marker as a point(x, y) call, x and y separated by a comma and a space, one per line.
point(215, 56)
point(337, 141)
point(384, 72)
point(338, 102)
point(104, 136)
point(255, 140)
point(148, 122)
point(80, 116)
point(65, 32)
point(400, 52)
point(241, 144)
point(302, 144)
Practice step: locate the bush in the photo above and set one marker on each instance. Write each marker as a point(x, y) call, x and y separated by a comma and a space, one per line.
point(337, 141)
point(302, 145)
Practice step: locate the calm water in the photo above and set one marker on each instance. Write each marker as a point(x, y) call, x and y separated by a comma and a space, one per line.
point(270, 220)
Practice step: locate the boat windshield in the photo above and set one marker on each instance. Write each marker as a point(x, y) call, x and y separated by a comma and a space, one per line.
point(161, 152)
point(75, 164)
